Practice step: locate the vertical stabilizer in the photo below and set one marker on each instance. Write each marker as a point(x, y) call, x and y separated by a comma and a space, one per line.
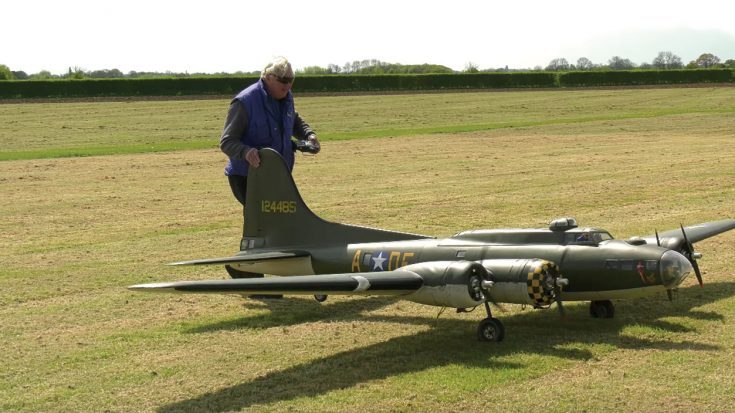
point(277, 217)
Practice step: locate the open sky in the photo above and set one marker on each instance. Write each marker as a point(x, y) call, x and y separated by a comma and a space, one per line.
point(229, 36)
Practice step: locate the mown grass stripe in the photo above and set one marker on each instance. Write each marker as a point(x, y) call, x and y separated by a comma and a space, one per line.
point(399, 132)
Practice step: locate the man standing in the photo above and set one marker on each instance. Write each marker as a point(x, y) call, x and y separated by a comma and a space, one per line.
point(262, 116)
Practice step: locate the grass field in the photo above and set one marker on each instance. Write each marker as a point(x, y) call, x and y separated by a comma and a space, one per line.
point(75, 231)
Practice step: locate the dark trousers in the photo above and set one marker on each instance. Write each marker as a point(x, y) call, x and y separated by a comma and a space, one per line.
point(239, 186)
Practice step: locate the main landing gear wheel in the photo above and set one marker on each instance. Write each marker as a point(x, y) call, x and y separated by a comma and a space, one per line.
point(602, 309)
point(491, 329)
point(320, 297)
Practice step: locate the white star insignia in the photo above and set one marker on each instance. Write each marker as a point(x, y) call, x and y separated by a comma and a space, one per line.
point(379, 260)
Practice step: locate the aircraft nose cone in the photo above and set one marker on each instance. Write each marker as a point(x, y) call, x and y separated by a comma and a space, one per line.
point(674, 269)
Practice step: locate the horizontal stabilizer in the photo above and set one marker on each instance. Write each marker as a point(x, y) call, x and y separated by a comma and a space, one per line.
point(396, 282)
point(245, 258)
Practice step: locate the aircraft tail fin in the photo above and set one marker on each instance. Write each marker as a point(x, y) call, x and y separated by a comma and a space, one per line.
point(277, 217)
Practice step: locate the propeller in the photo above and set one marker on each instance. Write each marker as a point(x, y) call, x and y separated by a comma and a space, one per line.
point(688, 250)
point(558, 284)
point(658, 240)
point(485, 286)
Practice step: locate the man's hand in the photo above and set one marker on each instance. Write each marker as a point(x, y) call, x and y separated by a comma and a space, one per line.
point(315, 142)
point(252, 157)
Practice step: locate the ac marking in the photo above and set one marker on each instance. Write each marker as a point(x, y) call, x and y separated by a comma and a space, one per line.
point(396, 259)
point(379, 260)
point(278, 207)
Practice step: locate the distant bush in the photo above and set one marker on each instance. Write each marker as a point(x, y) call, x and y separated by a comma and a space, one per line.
point(387, 68)
point(5, 73)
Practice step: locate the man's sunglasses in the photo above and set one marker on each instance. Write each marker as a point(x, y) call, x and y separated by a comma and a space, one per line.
point(284, 80)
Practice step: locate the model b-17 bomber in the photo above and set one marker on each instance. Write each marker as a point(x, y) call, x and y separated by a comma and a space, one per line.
point(538, 267)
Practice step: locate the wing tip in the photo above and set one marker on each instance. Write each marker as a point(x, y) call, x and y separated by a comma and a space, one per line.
point(151, 287)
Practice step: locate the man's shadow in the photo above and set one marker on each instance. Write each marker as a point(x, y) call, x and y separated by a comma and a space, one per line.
point(452, 341)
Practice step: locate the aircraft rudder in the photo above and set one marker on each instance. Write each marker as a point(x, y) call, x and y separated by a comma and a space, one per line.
point(275, 211)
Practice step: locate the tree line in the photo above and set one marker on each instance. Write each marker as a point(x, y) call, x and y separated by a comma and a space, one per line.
point(664, 60)
point(79, 73)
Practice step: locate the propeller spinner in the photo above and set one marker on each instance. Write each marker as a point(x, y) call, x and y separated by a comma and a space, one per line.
point(555, 282)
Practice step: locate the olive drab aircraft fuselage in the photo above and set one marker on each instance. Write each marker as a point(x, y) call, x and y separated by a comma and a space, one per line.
point(306, 255)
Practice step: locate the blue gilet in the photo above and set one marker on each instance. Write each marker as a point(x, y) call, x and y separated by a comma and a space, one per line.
point(265, 129)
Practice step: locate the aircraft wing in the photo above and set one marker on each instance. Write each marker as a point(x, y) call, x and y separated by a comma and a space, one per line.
point(397, 282)
point(695, 233)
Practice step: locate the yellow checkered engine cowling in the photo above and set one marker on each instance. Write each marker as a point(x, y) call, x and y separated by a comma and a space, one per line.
point(522, 281)
point(541, 283)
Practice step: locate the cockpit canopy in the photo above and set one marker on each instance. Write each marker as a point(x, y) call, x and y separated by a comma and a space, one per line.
point(586, 236)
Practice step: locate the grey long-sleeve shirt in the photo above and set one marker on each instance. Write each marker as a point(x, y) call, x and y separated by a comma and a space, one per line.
point(237, 123)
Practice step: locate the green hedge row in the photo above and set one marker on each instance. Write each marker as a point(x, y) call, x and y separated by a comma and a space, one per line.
point(123, 87)
point(357, 83)
point(10, 89)
point(232, 85)
point(645, 77)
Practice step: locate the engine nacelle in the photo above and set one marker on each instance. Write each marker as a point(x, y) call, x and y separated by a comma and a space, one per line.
point(455, 284)
point(522, 281)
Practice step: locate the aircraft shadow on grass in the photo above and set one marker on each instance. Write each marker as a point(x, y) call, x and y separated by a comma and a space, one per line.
point(293, 311)
point(448, 342)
